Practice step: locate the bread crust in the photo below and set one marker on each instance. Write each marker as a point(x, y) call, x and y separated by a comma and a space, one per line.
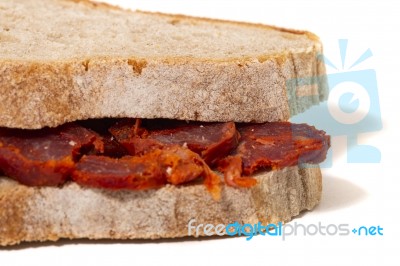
point(74, 212)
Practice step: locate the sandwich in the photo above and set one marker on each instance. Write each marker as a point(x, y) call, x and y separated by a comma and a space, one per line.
point(117, 124)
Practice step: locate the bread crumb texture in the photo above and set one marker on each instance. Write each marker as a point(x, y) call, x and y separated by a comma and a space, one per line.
point(63, 61)
point(50, 213)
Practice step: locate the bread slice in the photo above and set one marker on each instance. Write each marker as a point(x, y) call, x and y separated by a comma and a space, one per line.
point(63, 61)
point(40, 214)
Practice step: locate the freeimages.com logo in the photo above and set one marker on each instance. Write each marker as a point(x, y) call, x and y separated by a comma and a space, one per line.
point(352, 107)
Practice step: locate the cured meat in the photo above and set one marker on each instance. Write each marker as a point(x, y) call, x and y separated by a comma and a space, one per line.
point(281, 144)
point(112, 148)
point(85, 140)
point(123, 173)
point(127, 131)
point(101, 126)
point(212, 141)
point(173, 164)
point(232, 168)
point(44, 157)
point(274, 146)
point(135, 154)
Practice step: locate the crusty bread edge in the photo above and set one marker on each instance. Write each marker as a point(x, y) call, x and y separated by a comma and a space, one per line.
point(96, 4)
point(74, 212)
point(39, 94)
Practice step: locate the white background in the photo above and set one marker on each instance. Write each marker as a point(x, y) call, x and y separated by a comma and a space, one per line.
point(356, 194)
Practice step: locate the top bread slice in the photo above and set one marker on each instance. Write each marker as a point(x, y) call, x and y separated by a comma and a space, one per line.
point(63, 60)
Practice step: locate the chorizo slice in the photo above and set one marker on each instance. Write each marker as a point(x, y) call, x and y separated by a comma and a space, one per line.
point(44, 157)
point(272, 146)
point(212, 141)
point(170, 165)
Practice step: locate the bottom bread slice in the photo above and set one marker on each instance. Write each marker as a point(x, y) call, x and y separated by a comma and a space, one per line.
point(72, 211)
